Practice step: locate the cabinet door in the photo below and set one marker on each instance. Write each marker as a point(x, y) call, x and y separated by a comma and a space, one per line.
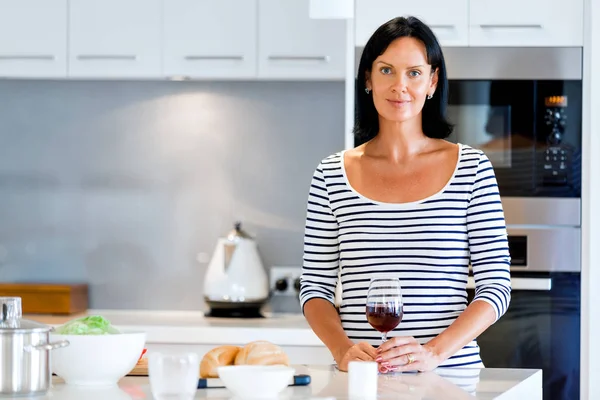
point(210, 39)
point(33, 38)
point(293, 46)
point(114, 38)
point(537, 23)
point(447, 18)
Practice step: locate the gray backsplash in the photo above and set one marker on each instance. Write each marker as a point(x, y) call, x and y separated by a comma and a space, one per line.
point(122, 184)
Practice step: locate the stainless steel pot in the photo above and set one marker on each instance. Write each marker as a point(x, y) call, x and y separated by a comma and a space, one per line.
point(24, 352)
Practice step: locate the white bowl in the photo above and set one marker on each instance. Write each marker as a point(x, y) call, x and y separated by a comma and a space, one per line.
point(256, 381)
point(96, 360)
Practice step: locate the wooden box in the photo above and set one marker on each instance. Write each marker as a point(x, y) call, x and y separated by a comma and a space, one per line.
point(48, 298)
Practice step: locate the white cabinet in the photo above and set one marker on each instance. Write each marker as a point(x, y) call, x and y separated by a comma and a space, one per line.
point(33, 38)
point(526, 23)
point(447, 18)
point(209, 39)
point(291, 45)
point(248, 39)
point(114, 38)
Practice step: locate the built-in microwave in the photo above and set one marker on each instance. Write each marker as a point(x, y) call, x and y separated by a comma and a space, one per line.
point(523, 108)
point(526, 117)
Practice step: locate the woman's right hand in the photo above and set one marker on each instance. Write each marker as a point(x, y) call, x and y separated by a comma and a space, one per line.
point(362, 351)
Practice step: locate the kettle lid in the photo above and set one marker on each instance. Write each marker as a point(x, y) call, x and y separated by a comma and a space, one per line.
point(238, 233)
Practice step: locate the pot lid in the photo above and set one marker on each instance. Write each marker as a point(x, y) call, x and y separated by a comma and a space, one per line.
point(11, 318)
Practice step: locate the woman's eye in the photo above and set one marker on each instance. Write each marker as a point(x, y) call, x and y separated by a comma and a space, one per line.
point(415, 73)
point(386, 70)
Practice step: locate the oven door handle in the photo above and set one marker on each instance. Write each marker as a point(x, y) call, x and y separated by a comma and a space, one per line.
point(541, 284)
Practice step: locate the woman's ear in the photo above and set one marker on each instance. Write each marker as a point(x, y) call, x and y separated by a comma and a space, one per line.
point(368, 80)
point(434, 80)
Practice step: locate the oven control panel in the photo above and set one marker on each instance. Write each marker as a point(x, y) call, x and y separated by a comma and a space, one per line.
point(556, 119)
point(556, 157)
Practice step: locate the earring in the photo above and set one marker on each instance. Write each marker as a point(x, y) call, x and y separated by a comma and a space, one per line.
point(429, 96)
point(367, 90)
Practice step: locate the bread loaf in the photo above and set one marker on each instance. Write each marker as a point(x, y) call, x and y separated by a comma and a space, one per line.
point(261, 353)
point(217, 357)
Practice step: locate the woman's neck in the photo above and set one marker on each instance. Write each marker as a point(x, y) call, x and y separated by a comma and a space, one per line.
point(398, 141)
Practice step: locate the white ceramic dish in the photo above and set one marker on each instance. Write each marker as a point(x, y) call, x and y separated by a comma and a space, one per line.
point(97, 360)
point(256, 381)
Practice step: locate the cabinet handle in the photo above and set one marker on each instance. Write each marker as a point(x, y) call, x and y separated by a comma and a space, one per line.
point(509, 26)
point(300, 58)
point(196, 58)
point(88, 57)
point(27, 57)
point(442, 26)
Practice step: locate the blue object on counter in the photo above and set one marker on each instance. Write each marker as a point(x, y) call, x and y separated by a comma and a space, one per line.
point(208, 383)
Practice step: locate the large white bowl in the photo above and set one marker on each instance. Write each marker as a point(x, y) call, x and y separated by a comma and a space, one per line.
point(256, 381)
point(96, 360)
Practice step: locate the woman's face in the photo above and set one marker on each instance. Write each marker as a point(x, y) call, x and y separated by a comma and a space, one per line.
point(400, 80)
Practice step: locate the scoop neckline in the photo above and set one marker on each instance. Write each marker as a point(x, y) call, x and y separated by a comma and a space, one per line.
point(405, 204)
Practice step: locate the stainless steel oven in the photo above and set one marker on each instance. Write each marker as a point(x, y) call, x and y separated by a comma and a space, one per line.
point(541, 328)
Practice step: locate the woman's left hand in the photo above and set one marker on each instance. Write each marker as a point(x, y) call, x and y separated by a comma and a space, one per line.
point(404, 353)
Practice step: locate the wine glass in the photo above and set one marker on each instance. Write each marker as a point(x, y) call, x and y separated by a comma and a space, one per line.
point(384, 304)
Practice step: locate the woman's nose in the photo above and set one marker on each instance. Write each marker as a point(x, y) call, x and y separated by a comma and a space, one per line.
point(399, 84)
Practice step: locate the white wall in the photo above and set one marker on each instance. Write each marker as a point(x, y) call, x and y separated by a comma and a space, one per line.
point(590, 332)
point(120, 182)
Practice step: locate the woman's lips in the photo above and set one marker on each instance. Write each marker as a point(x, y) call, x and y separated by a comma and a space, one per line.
point(398, 103)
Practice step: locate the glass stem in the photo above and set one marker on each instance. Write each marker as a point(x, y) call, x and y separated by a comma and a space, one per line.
point(383, 337)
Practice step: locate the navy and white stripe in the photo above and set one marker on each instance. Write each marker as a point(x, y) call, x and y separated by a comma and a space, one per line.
point(429, 243)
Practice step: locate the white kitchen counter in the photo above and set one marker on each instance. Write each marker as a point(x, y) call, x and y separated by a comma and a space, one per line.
point(328, 383)
point(176, 331)
point(191, 327)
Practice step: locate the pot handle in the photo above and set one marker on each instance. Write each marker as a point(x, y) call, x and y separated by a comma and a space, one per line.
point(47, 346)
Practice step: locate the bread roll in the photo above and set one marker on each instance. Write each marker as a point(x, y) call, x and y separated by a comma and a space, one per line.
point(261, 353)
point(217, 357)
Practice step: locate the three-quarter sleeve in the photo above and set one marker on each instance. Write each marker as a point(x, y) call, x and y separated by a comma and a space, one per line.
point(321, 247)
point(488, 240)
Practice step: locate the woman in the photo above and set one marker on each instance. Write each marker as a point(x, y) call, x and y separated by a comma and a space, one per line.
point(409, 202)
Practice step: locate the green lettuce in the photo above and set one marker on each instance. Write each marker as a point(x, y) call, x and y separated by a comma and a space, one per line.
point(90, 325)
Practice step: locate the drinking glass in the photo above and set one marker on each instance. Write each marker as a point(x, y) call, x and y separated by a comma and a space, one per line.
point(173, 376)
point(384, 304)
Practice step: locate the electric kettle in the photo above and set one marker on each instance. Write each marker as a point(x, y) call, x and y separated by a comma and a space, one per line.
point(236, 283)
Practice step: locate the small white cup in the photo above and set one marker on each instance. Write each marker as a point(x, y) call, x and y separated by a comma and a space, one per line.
point(362, 379)
point(173, 376)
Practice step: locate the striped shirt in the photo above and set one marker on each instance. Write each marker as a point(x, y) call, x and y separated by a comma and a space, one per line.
point(431, 244)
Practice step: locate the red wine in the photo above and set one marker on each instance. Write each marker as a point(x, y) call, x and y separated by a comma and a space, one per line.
point(384, 318)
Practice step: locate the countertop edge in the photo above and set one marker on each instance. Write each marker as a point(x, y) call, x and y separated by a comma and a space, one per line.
point(498, 384)
point(218, 335)
point(530, 385)
point(192, 327)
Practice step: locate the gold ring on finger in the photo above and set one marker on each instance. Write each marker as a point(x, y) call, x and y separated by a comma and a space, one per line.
point(411, 358)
